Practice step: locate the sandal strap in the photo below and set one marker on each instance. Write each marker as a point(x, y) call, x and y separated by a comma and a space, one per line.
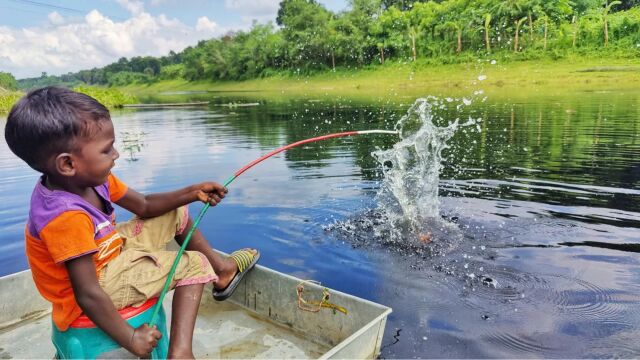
point(243, 259)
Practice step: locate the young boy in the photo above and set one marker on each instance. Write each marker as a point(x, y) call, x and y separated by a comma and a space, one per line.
point(81, 260)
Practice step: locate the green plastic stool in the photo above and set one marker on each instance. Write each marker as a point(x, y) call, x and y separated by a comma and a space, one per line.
point(83, 340)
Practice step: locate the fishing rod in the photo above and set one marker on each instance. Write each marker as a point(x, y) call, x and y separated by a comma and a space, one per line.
point(158, 305)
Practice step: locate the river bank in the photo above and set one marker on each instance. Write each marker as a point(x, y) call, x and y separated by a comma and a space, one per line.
point(407, 81)
point(397, 80)
point(109, 97)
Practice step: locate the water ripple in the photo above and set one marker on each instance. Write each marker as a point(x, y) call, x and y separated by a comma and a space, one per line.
point(521, 343)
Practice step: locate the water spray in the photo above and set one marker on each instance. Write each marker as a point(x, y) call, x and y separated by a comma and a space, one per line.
point(158, 306)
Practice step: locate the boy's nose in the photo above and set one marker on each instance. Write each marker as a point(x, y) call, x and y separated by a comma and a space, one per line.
point(116, 154)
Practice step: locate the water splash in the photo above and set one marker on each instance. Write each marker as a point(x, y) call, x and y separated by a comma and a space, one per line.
point(407, 218)
point(409, 194)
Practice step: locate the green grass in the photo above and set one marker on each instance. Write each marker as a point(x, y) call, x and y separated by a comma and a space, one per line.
point(109, 97)
point(400, 80)
point(404, 81)
point(7, 99)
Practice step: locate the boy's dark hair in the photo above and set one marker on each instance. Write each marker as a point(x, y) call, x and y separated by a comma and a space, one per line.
point(46, 121)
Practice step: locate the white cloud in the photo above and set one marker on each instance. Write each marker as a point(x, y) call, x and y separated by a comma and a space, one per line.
point(204, 24)
point(6, 36)
point(95, 41)
point(135, 7)
point(254, 8)
point(55, 18)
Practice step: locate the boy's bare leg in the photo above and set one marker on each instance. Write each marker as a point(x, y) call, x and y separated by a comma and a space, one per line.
point(186, 301)
point(224, 267)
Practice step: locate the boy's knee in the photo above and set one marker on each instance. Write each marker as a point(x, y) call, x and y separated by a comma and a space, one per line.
point(182, 216)
point(198, 269)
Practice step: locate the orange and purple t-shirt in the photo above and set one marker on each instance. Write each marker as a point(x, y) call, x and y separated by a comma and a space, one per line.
point(63, 226)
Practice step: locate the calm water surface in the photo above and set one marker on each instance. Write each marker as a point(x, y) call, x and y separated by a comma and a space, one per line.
point(542, 198)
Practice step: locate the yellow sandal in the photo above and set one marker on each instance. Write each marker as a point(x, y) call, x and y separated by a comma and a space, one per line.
point(245, 259)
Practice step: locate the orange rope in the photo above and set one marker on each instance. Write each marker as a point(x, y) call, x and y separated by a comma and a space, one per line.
point(315, 305)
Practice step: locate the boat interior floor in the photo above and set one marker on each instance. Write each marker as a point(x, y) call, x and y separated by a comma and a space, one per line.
point(223, 331)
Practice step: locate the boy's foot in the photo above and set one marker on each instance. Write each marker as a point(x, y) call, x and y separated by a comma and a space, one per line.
point(235, 267)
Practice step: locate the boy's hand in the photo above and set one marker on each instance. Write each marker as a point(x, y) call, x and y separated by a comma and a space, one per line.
point(144, 339)
point(210, 192)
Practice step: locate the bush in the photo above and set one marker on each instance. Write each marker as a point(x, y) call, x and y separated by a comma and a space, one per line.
point(171, 72)
point(7, 100)
point(7, 81)
point(123, 78)
point(111, 98)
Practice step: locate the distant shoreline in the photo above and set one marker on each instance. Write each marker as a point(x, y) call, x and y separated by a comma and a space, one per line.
point(511, 79)
point(396, 81)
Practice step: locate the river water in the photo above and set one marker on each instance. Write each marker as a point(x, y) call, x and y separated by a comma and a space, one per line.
point(533, 252)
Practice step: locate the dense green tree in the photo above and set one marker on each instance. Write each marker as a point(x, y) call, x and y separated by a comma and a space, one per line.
point(304, 25)
point(361, 17)
point(7, 81)
point(309, 38)
point(457, 17)
point(399, 4)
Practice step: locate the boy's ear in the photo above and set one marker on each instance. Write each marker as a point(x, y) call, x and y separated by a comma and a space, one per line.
point(64, 164)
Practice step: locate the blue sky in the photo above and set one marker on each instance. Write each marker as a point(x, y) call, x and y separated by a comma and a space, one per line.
point(60, 36)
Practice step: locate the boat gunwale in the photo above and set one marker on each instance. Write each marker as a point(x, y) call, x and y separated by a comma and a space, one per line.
point(333, 348)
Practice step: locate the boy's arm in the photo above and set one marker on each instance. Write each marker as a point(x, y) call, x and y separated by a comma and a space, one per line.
point(146, 206)
point(97, 305)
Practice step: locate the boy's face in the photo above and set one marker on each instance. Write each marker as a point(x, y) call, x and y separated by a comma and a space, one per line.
point(96, 156)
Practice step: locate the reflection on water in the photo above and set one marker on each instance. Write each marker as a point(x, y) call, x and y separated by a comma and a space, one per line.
point(536, 253)
point(132, 143)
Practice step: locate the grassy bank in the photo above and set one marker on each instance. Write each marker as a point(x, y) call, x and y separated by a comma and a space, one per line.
point(415, 79)
point(109, 97)
point(7, 99)
point(404, 80)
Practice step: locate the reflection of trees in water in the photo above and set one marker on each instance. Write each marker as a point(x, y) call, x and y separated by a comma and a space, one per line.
point(585, 139)
point(132, 143)
point(588, 139)
point(276, 124)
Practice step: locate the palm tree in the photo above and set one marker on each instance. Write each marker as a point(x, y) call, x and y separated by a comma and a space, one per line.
point(453, 25)
point(515, 38)
point(575, 30)
point(606, 23)
point(413, 34)
point(509, 10)
point(546, 30)
point(487, 28)
point(380, 46)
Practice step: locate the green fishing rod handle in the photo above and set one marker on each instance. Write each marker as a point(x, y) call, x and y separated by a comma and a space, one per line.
point(174, 266)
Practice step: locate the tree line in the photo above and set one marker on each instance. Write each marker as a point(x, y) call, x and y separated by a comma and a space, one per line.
point(309, 38)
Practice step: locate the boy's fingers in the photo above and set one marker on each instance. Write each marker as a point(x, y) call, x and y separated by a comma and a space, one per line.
point(219, 188)
point(203, 197)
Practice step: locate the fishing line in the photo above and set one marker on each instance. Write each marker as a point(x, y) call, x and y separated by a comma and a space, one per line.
point(229, 181)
